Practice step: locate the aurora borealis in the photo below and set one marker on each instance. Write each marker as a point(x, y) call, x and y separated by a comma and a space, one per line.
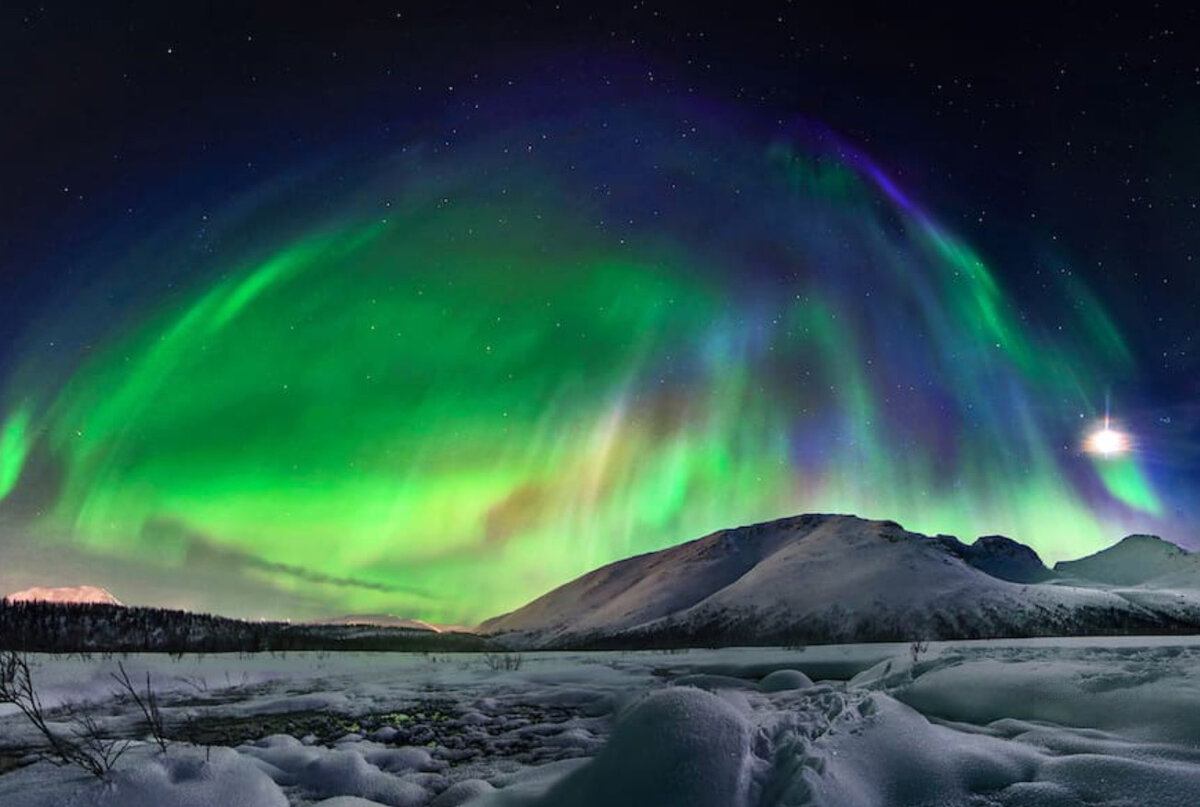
point(375, 332)
point(460, 384)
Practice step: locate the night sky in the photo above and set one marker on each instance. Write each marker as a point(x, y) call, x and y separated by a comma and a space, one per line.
point(429, 309)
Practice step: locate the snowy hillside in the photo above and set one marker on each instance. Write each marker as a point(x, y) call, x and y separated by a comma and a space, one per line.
point(90, 595)
point(822, 578)
point(1134, 560)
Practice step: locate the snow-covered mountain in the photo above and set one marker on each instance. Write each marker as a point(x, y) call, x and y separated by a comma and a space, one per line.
point(91, 595)
point(1134, 560)
point(377, 620)
point(1002, 557)
point(816, 578)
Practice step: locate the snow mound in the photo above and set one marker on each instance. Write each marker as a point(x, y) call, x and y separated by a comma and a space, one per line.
point(360, 772)
point(897, 757)
point(462, 792)
point(680, 747)
point(785, 680)
point(222, 778)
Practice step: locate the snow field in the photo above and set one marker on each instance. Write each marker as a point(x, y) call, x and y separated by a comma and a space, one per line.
point(1039, 722)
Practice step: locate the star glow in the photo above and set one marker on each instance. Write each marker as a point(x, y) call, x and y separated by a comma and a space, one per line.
point(1107, 441)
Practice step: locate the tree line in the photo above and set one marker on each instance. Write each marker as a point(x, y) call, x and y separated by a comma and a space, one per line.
point(46, 627)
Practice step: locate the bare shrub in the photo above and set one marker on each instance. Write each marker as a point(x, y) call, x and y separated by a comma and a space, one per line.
point(193, 733)
point(146, 701)
point(86, 747)
point(503, 661)
point(196, 682)
point(90, 749)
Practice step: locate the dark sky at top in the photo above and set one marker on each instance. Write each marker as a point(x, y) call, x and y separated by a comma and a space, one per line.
point(1054, 137)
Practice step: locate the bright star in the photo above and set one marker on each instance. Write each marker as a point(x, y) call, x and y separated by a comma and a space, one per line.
point(1106, 441)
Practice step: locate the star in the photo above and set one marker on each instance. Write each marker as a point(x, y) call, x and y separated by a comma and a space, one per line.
point(1107, 441)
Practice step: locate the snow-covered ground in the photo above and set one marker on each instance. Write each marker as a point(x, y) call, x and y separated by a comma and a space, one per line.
point(1025, 722)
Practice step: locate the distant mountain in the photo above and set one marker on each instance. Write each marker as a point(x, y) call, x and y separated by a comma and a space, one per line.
point(822, 578)
point(89, 595)
point(377, 620)
point(1002, 557)
point(1133, 560)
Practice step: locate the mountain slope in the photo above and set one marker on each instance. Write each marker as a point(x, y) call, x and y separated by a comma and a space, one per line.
point(811, 578)
point(1133, 560)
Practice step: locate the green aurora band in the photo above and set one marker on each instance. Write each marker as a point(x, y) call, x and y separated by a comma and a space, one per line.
point(491, 387)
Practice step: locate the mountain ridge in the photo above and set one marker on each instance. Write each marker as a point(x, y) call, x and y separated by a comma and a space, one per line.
point(388, 621)
point(824, 577)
